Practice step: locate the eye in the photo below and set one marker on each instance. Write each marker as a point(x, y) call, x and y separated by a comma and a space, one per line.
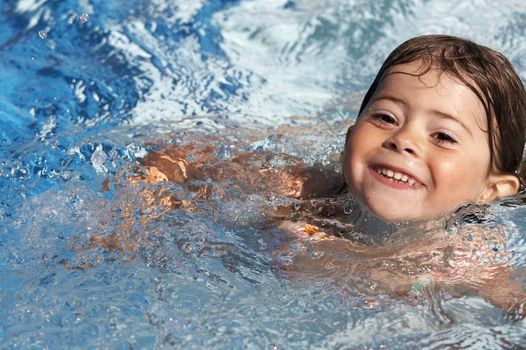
point(444, 138)
point(384, 118)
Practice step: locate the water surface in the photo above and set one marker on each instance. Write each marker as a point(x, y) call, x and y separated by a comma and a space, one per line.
point(91, 86)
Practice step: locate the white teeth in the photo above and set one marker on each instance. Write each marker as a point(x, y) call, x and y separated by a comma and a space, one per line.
point(396, 175)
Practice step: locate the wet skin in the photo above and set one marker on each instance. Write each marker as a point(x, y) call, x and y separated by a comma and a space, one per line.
point(420, 148)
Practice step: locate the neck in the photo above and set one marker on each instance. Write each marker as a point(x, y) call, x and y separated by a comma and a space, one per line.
point(378, 231)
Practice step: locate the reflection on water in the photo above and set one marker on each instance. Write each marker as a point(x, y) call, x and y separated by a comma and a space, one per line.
point(93, 256)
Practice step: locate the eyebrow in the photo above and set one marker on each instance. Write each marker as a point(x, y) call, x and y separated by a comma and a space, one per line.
point(433, 111)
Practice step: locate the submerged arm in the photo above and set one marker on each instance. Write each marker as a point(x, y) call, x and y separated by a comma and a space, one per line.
point(257, 172)
point(506, 290)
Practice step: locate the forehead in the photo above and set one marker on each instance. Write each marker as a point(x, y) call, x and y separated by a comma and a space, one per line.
point(431, 88)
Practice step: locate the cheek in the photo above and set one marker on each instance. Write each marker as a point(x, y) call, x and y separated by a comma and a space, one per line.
point(447, 173)
point(354, 158)
point(347, 162)
point(460, 176)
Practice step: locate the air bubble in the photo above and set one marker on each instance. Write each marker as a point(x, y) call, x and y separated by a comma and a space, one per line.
point(42, 34)
point(84, 18)
point(316, 254)
point(262, 244)
point(286, 261)
point(371, 303)
point(72, 18)
point(329, 266)
point(98, 158)
point(298, 247)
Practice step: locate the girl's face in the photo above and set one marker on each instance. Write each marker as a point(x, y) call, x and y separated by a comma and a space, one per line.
point(420, 147)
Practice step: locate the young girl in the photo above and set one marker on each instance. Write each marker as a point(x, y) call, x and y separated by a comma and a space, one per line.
point(442, 126)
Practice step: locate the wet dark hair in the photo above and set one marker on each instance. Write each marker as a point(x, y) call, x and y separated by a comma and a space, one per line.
point(488, 74)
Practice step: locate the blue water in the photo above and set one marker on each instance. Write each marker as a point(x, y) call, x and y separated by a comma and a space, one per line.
point(88, 87)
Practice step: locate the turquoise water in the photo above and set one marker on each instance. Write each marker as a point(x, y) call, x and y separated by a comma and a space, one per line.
point(91, 86)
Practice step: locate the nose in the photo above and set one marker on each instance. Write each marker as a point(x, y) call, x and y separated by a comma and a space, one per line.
point(403, 141)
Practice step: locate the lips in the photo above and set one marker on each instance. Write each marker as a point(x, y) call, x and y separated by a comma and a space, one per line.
point(396, 176)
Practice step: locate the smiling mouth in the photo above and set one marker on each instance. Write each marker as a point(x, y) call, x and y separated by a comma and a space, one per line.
point(397, 177)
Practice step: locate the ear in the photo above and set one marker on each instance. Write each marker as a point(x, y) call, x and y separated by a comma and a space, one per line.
point(498, 186)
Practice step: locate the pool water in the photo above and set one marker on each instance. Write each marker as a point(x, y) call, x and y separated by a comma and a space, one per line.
point(90, 87)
